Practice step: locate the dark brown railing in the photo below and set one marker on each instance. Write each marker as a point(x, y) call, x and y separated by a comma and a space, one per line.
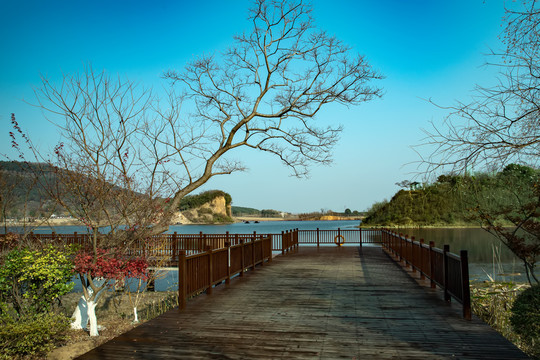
point(163, 248)
point(343, 236)
point(289, 241)
point(201, 272)
point(166, 246)
point(443, 268)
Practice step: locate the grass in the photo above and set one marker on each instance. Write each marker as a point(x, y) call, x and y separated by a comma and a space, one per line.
point(492, 302)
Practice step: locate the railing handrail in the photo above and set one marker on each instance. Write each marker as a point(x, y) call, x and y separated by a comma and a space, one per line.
point(197, 242)
point(448, 270)
point(435, 264)
point(201, 272)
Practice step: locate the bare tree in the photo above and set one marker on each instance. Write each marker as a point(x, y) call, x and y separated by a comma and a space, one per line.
point(508, 207)
point(128, 157)
point(501, 125)
point(262, 93)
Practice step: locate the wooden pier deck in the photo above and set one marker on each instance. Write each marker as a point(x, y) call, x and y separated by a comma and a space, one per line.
point(331, 303)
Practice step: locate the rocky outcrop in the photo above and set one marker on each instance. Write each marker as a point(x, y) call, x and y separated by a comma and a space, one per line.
point(212, 212)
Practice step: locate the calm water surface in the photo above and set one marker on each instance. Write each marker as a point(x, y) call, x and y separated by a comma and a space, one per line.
point(488, 257)
point(264, 227)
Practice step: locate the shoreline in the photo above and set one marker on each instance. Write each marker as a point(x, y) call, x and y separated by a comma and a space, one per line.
point(239, 219)
point(441, 226)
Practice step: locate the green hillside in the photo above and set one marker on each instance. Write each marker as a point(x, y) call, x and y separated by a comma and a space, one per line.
point(455, 199)
point(245, 211)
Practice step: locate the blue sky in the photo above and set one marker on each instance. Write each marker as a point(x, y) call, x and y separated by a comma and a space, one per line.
point(425, 48)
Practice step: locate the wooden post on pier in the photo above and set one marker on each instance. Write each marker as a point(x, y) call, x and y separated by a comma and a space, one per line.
point(466, 290)
point(446, 250)
point(210, 270)
point(432, 265)
point(182, 278)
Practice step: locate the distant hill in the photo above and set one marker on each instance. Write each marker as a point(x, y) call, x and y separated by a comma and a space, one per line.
point(450, 200)
point(245, 211)
point(21, 194)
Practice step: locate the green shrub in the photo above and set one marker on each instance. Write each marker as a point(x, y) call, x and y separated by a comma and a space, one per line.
point(525, 318)
point(32, 337)
point(31, 280)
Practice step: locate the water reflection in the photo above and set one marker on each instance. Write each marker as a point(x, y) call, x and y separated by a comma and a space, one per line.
point(489, 258)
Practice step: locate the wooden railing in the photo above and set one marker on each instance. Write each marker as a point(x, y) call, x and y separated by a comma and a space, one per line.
point(208, 259)
point(343, 236)
point(163, 248)
point(201, 272)
point(443, 268)
point(289, 241)
point(166, 246)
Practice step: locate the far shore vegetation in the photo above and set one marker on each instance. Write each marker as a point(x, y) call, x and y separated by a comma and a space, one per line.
point(450, 201)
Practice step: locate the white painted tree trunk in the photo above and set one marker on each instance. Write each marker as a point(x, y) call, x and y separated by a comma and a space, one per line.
point(135, 316)
point(84, 314)
point(80, 315)
point(91, 307)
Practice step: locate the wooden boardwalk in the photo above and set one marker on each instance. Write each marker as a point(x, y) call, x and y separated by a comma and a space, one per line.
point(331, 303)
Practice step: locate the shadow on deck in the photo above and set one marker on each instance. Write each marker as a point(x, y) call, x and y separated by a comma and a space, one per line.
point(328, 303)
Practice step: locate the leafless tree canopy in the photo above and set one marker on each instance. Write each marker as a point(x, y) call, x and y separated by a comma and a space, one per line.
point(262, 93)
point(501, 125)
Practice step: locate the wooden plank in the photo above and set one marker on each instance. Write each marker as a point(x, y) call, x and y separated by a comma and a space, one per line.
point(328, 303)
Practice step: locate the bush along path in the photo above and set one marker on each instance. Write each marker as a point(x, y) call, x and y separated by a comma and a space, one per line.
point(511, 309)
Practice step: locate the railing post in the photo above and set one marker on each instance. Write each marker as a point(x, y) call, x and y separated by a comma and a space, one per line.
point(228, 246)
point(201, 246)
point(182, 280)
point(446, 250)
point(296, 238)
point(174, 245)
point(421, 267)
point(466, 291)
point(271, 240)
point(406, 252)
point(431, 265)
point(318, 238)
point(282, 242)
point(400, 247)
point(395, 244)
point(360, 236)
point(210, 270)
point(243, 255)
point(262, 249)
point(253, 250)
point(413, 258)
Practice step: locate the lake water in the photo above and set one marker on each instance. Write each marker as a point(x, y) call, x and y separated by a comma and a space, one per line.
point(264, 227)
point(488, 258)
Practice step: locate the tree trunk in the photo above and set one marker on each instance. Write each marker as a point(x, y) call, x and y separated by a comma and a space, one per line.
point(135, 315)
point(80, 315)
point(91, 310)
